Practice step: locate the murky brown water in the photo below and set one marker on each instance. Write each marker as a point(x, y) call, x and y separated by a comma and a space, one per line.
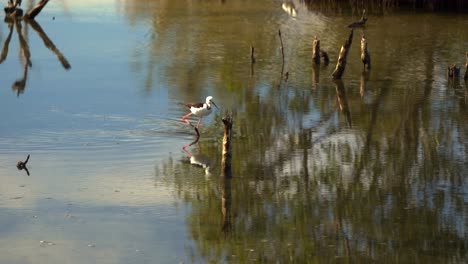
point(369, 169)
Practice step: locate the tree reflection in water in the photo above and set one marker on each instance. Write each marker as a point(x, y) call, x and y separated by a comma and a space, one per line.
point(368, 169)
point(25, 54)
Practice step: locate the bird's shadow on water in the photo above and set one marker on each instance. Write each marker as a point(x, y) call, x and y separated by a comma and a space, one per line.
point(19, 85)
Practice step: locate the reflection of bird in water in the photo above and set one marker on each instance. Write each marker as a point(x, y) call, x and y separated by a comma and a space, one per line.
point(199, 160)
point(289, 8)
point(199, 109)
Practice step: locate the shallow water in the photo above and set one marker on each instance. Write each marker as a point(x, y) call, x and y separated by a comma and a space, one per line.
point(372, 168)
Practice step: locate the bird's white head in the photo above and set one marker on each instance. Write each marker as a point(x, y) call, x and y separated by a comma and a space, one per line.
point(209, 101)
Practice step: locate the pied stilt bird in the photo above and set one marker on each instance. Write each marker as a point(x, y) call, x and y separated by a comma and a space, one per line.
point(199, 109)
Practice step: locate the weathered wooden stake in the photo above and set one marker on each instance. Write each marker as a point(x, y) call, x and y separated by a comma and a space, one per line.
point(365, 56)
point(252, 55)
point(466, 67)
point(316, 51)
point(226, 159)
point(341, 64)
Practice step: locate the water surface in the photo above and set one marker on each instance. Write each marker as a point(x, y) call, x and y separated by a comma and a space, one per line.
point(372, 168)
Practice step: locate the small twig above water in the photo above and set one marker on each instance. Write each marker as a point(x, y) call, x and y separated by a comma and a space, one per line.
point(21, 165)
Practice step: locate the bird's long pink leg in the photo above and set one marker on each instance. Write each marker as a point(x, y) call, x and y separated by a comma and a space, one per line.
point(185, 118)
point(199, 120)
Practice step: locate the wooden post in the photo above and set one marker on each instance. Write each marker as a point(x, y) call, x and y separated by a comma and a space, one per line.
point(365, 57)
point(226, 173)
point(466, 67)
point(252, 60)
point(226, 159)
point(316, 51)
point(341, 64)
point(252, 55)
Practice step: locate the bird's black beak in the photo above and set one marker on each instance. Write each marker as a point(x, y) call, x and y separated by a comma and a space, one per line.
point(215, 105)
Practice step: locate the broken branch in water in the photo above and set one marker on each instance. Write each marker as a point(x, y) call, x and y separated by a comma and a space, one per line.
point(341, 64)
point(361, 22)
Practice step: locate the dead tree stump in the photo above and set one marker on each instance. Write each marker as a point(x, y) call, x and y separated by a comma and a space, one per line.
point(316, 51)
point(341, 64)
point(365, 56)
point(226, 158)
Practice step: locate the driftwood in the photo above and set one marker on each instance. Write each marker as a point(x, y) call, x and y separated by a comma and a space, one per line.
point(365, 56)
point(316, 51)
point(341, 64)
point(361, 22)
